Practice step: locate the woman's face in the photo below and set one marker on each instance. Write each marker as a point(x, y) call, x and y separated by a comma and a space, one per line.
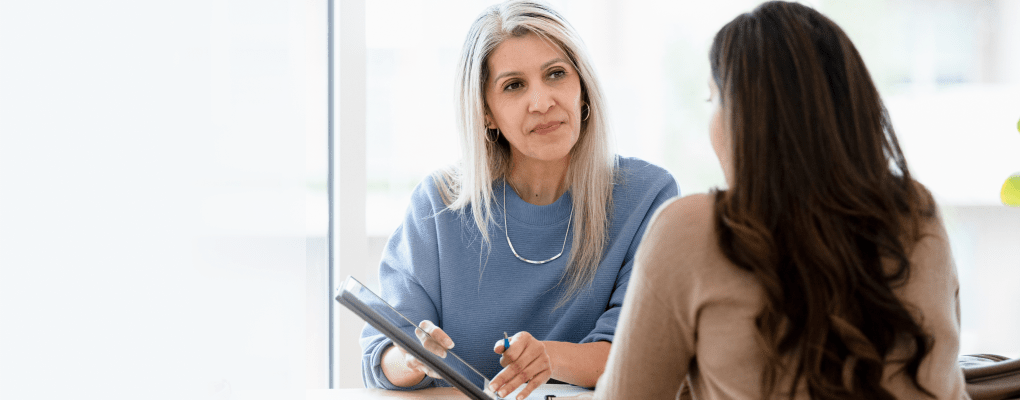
point(719, 134)
point(534, 98)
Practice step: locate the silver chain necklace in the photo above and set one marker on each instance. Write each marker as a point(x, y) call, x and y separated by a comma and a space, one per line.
point(506, 230)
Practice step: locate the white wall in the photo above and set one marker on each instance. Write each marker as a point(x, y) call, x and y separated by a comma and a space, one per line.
point(162, 198)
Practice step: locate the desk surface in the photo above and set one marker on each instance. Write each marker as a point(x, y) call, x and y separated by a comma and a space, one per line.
point(372, 394)
point(447, 393)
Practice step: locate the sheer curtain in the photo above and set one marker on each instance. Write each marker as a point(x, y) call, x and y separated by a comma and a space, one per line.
point(163, 206)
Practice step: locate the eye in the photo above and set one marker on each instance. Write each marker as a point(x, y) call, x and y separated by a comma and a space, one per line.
point(512, 85)
point(557, 74)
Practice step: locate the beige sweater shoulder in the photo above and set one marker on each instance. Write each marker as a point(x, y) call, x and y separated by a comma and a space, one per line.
point(690, 311)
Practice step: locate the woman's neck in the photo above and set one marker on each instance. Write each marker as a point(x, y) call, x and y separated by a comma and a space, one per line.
point(539, 182)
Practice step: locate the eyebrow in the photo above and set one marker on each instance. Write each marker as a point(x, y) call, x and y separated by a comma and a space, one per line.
point(515, 73)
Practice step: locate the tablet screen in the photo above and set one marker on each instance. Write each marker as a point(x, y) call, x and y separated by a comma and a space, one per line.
point(378, 313)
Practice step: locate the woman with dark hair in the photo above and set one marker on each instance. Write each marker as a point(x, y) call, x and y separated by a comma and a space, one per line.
point(823, 271)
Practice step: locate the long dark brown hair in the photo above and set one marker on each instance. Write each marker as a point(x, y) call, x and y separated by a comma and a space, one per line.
point(820, 196)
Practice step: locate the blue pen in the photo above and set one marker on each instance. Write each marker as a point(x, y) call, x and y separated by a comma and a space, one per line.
point(506, 342)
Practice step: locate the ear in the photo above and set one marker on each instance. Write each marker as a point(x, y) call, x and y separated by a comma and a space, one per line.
point(489, 124)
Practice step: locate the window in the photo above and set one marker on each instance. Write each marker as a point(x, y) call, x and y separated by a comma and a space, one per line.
point(163, 218)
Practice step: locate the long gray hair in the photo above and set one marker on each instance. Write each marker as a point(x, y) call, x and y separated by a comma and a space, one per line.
point(592, 168)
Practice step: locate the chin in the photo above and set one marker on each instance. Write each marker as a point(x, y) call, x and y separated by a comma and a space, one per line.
point(550, 148)
point(556, 153)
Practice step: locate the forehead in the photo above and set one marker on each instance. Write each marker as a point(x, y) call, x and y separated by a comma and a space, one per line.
point(523, 53)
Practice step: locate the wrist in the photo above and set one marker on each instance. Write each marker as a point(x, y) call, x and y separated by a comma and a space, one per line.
point(553, 349)
point(577, 364)
point(394, 367)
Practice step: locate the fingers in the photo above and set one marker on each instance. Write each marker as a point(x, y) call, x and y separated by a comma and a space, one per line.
point(436, 341)
point(415, 364)
point(537, 373)
point(436, 333)
point(498, 347)
point(525, 361)
point(430, 344)
point(534, 383)
point(518, 344)
point(522, 347)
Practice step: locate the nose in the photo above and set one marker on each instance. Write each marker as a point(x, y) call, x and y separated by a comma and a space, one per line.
point(541, 101)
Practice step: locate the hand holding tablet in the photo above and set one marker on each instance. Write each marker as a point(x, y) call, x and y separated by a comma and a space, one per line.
point(435, 341)
point(417, 341)
point(411, 340)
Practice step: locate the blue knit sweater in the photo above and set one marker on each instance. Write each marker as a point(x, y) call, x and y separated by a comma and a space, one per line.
point(433, 269)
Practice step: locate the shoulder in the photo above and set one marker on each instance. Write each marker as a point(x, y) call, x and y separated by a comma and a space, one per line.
point(932, 287)
point(430, 196)
point(679, 253)
point(689, 219)
point(637, 175)
point(682, 230)
point(931, 253)
point(636, 168)
point(930, 250)
point(426, 191)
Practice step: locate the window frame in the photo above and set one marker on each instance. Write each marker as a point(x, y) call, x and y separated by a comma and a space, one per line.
point(347, 160)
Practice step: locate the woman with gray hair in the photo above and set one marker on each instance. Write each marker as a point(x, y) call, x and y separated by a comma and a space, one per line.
point(538, 171)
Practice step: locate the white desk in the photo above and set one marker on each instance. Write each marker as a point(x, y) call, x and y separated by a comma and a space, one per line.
point(447, 393)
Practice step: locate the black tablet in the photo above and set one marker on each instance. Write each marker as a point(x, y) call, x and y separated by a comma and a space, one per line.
point(371, 308)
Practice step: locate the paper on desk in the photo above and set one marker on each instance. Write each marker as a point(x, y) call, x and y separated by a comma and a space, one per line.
point(556, 389)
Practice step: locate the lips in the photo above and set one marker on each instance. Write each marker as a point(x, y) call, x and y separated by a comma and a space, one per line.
point(546, 128)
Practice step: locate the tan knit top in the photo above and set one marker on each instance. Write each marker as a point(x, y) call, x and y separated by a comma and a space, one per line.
point(689, 311)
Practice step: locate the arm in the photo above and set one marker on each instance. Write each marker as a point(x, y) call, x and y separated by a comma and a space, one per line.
point(933, 290)
point(385, 365)
point(409, 287)
point(649, 358)
point(655, 339)
point(394, 367)
point(579, 364)
point(582, 364)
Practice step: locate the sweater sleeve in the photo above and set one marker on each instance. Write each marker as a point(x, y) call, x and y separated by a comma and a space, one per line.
point(655, 345)
point(662, 187)
point(933, 293)
point(409, 281)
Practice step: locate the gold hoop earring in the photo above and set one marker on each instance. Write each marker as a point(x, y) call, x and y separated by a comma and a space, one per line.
point(585, 112)
point(489, 133)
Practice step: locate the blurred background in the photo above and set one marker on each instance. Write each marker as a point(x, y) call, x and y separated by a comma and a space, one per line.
point(164, 167)
point(163, 205)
